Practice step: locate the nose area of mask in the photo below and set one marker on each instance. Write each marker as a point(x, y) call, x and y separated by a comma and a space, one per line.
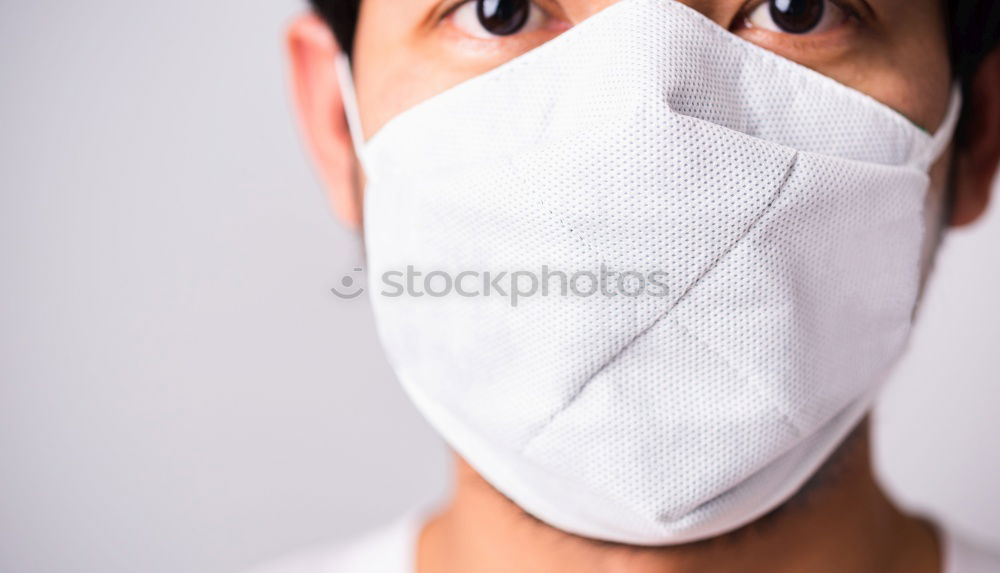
point(781, 212)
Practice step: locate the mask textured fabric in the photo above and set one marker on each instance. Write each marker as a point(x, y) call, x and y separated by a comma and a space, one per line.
point(784, 210)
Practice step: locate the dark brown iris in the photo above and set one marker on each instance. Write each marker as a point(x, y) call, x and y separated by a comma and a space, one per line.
point(797, 16)
point(503, 17)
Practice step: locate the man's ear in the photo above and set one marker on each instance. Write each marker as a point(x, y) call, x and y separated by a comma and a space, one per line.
point(979, 145)
point(312, 53)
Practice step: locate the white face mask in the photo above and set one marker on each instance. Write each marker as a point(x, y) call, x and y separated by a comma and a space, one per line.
point(784, 209)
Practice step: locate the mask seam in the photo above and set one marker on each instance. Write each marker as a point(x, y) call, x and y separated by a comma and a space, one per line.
point(614, 357)
point(675, 517)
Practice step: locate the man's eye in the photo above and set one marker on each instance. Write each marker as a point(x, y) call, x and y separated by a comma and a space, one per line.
point(492, 18)
point(797, 16)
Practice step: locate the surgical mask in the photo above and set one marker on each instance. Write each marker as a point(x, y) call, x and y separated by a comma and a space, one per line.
point(784, 210)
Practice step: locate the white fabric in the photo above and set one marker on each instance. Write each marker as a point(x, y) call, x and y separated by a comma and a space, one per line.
point(784, 208)
point(962, 556)
point(393, 550)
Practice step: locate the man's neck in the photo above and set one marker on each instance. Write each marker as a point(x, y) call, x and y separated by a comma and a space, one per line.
point(841, 523)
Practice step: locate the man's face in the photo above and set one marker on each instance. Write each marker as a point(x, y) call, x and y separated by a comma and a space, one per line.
point(407, 51)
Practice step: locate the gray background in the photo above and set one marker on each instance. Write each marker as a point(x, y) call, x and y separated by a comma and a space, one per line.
point(178, 389)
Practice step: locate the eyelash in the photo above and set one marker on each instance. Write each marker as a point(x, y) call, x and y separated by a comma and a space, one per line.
point(853, 14)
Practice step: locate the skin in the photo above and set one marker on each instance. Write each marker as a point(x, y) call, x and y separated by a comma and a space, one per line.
point(894, 50)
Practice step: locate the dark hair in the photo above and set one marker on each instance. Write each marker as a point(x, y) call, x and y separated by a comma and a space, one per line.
point(342, 17)
point(975, 29)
